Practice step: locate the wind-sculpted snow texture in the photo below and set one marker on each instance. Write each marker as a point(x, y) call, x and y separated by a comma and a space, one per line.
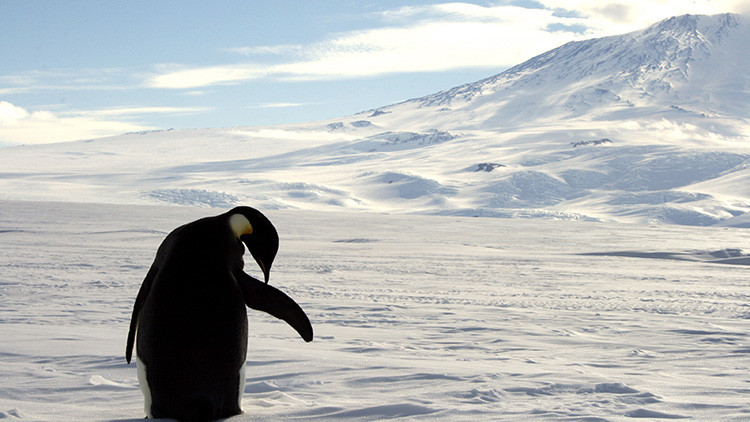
point(417, 317)
point(646, 127)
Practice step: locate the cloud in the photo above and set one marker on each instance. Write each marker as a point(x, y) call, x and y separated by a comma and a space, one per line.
point(10, 114)
point(137, 111)
point(429, 46)
point(18, 125)
point(64, 79)
point(432, 38)
point(441, 37)
point(622, 16)
point(206, 76)
point(267, 49)
point(279, 105)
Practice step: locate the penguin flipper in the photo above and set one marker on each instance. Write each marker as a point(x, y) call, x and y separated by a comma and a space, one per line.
point(263, 297)
point(139, 301)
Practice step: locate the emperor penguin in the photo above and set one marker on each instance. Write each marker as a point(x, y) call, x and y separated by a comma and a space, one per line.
point(189, 317)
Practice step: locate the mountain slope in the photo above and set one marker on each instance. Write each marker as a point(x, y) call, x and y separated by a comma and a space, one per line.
point(693, 64)
point(650, 126)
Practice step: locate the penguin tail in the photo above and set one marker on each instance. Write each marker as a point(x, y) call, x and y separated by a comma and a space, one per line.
point(200, 409)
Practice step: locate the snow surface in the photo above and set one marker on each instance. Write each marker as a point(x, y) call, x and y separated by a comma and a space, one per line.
point(647, 127)
point(420, 312)
point(416, 317)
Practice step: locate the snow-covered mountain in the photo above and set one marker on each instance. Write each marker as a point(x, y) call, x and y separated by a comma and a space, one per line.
point(691, 64)
point(650, 126)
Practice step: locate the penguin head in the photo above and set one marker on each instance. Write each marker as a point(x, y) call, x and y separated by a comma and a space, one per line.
point(257, 233)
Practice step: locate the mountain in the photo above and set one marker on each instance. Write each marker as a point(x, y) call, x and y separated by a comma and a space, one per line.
point(687, 64)
point(649, 127)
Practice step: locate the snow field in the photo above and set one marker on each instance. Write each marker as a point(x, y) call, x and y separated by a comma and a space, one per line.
point(416, 317)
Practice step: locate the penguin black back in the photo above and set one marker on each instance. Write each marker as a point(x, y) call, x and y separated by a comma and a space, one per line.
point(189, 316)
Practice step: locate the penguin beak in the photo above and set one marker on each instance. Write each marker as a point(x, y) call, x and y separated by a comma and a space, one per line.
point(258, 234)
point(266, 271)
point(263, 255)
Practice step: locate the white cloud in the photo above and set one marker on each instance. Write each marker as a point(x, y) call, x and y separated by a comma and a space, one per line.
point(135, 111)
point(279, 105)
point(417, 39)
point(206, 76)
point(68, 79)
point(443, 37)
point(18, 125)
point(9, 114)
point(267, 49)
point(621, 16)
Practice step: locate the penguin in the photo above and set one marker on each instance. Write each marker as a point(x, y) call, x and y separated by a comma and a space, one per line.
point(189, 316)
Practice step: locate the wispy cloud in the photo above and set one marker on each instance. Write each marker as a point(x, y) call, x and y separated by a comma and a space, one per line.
point(436, 38)
point(279, 105)
point(206, 76)
point(104, 79)
point(620, 16)
point(18, 125)
point(267, 49)
point(424, 39)
point(135, 111)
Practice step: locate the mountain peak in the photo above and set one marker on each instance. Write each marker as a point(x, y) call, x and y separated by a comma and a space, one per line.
point(704, 27)
point(661, 66)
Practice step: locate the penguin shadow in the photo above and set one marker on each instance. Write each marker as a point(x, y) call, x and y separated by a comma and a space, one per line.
point(147, 419)
point(134, 420)
point(157, 420)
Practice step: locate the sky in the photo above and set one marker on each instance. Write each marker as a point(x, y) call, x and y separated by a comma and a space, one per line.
point(83, 69)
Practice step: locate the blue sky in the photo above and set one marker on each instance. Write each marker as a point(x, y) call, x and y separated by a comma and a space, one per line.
point(82, 69)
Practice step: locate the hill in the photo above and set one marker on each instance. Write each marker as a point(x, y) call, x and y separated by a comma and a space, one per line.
point(647, 127)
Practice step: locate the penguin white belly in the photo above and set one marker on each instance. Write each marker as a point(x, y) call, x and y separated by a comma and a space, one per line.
point(143, 382)
point(242, 385)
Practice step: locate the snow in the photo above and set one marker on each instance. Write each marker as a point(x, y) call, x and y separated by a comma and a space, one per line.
point(587, 289)
point(645, 127)
point(416, 317)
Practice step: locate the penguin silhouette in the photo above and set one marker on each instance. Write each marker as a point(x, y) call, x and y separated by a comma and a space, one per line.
point(189, 317)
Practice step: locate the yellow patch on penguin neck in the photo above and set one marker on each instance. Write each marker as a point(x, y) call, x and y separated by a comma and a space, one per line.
point(240, 225)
